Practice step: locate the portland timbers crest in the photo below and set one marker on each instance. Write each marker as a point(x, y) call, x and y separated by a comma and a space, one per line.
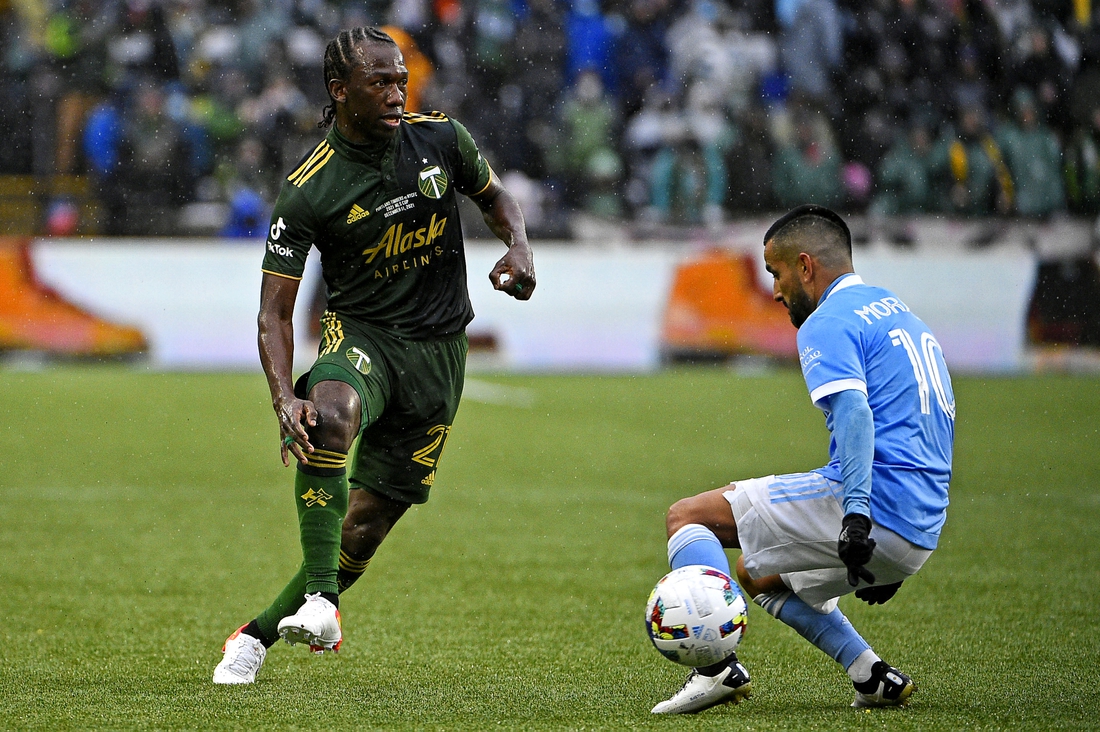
point(359, 359)
point(432, 182)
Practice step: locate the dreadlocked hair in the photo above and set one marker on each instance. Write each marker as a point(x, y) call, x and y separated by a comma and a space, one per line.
point(340, 59)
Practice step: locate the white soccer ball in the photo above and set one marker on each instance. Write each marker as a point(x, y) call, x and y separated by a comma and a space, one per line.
point(696, 615)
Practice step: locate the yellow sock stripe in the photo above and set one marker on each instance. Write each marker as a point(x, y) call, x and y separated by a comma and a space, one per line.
point(329, 454)
point(317, 152)
point(332, 460)
point(352, 565)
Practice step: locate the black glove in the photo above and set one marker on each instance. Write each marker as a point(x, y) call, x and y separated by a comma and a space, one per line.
point(877, 594)
point(855, 547)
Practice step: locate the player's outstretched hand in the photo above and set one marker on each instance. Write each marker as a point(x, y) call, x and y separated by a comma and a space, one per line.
point(877, 594)
point(294, 415)
point(855, 547)
point(514, 274)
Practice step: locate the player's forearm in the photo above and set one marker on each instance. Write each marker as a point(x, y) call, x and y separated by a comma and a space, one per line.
point(504, 218)
point(276, 344)
point(854, 432)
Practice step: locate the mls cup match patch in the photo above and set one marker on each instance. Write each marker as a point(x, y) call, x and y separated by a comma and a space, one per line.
point(432, 182)
point(359, 359)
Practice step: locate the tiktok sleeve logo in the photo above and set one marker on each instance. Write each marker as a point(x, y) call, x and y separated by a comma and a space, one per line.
point(278, 249)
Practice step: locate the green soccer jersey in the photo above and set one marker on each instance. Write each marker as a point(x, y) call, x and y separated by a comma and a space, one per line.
point(385, 221)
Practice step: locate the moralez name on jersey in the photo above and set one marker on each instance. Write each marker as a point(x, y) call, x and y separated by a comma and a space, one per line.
point(398, 241)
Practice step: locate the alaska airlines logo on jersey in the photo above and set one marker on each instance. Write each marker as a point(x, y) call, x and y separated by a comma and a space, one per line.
point(356, 213)
point(397, 241)
point(433, 182)
point(881, 308)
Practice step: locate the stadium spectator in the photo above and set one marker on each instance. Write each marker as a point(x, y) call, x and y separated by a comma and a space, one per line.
point(904, 178)
point(156, 175)
point(393, 352)
point(812, 46)
point(280, 116)
point(591, 162)
point(1038, 67)
point(1034, 159)
point(102, 143)
point(589, 42)
point(808, 167)
point(641, 52)
point(1083, 167)
point(749, 158)
point(968, 170)
point(869, 519)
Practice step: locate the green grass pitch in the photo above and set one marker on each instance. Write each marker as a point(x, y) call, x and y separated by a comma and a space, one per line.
point(145, 516)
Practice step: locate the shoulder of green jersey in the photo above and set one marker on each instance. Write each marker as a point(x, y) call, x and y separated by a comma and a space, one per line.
point(316, 160)
point(415, 117)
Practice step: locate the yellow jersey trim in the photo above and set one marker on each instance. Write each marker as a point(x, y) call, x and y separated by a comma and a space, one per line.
point(487, 183)
point(414, 117)
point(313, 171)
point(317, 152)
point(280, 274)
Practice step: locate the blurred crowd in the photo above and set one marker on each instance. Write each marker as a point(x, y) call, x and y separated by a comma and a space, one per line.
point(659, 111)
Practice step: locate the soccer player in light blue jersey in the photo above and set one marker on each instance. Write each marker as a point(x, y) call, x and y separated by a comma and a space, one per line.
point(870, 518)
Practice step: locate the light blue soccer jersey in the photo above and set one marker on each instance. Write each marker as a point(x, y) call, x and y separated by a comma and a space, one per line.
point(865, 338)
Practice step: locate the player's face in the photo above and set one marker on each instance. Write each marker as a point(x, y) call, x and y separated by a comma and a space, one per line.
point(787, 287)
point(373, 97)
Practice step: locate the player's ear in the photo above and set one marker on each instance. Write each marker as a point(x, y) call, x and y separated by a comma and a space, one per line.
point(805, 267)
point(338, 90)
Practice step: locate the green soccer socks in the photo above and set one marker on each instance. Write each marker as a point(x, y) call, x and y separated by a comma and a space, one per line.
point(321, 495)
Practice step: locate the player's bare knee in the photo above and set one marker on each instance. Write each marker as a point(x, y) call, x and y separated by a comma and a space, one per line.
point(680, 514)
point(337, 406)
point(747, 583)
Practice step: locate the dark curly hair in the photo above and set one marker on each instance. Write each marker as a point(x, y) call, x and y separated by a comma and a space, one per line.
point(340, 59)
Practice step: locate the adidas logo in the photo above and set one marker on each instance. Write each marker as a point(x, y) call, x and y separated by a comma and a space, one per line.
point(430, 480)
point(357, 212)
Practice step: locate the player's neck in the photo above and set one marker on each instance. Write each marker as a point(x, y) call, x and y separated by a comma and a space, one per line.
point(355, 137)
point(373, 146)
point(827, 279)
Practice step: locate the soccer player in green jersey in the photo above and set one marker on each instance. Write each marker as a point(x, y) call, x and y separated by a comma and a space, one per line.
point(377, 199)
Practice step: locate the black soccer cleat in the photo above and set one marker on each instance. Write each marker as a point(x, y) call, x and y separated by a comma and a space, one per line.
point(887, 687)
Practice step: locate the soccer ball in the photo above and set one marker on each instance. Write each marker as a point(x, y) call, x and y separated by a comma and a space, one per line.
point(696, 615)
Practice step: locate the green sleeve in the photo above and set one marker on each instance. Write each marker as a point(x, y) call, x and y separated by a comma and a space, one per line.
point(475, 172)
point(292, 233)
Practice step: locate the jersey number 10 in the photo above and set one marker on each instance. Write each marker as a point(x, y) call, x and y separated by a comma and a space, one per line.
point(928, 369)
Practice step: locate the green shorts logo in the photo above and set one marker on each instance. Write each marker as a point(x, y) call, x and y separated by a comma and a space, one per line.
point(359, 359)
point(433, 182)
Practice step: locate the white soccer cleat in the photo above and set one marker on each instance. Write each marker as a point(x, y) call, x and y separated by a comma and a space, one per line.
point(241, 660)
point(316, 623)
point(887, 687)
point(703, 692)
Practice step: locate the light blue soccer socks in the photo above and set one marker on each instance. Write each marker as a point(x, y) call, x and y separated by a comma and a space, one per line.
point(696, 544)
point(832, 632)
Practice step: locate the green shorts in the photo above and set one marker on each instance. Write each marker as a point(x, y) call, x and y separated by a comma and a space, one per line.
point(409, 392)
